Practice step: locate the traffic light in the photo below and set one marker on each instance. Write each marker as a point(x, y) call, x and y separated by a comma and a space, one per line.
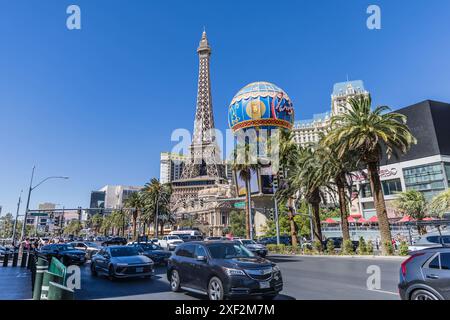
point(271, 214)
point(202, 203)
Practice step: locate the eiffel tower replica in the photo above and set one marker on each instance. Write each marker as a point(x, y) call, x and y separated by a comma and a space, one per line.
point(204, 169)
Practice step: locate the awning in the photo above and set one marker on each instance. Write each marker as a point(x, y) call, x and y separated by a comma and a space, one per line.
point(356, 215)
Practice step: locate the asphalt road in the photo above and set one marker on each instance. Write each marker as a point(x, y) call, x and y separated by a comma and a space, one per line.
point(304, 278)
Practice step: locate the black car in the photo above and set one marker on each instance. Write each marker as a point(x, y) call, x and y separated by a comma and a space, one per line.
point(153, 251)
point(286, 240)
point(65, 253)
point(222, 269)
point(425, 275)
point(337, 242)
point(115, 241)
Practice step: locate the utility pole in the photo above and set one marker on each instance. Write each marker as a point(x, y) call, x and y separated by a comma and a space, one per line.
point(277, 223)
point(17, 218)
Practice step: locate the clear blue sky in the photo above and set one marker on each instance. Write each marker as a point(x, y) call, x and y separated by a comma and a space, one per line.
point(99, 104)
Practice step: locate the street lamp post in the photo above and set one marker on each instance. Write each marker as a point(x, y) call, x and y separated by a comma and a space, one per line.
point(30, 189)
point(15, 221)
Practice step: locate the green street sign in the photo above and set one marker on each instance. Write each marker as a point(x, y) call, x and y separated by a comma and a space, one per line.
point(38, 214)
point(239, 205)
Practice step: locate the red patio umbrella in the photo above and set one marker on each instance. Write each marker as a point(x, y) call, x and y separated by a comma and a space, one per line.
point(362, 220)
point(330, 220)
point(405, 219)
point(351, 219)
point(428, 219)
point(373, 219)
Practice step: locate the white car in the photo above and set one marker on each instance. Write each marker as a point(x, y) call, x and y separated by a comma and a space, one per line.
point(169, 242)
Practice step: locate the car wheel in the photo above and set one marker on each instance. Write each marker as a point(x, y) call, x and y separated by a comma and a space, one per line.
point(422, 294)
point(93, 270)
point(175, 281)
point(111, 275)
point(215, 289)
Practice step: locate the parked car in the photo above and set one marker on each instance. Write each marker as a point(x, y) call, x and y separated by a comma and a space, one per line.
point(221, 269)
point(425, 275)
point(114, 241)
point(286, 240)
point(256, 248)
point(215, 238)
point(121, 262)
point(337, 242)
point(5, 250)
point(65, 253)
point(187, 237)
point(429, 240)
point(169, 242)
point(99, 239)
point(90, 248)
point(153, 251)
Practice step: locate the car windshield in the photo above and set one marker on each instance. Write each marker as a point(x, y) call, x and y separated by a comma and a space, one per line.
point(229, 251)
point(149, 247)
point(247, 242)
point(173, 238)
point(92, 244)
point(123, 252)
point(64, 247)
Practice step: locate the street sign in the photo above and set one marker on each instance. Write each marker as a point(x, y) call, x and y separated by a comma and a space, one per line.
point(239, 205)
point(39, 214)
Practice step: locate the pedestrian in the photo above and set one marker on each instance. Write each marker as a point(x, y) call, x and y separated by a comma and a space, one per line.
point(377, 242)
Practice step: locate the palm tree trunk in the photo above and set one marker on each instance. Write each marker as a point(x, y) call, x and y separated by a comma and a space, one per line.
point(134, 225)
point(380, 206)
point(247, 208)
point(293, 226)
point(343, 208)
point(315, 204)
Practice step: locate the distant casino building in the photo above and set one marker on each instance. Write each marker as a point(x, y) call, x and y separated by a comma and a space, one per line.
point(171, 167)
point(309, 131)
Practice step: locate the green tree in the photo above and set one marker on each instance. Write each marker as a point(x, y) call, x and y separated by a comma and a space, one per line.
point(156, 199)
point(134, 205)
point(440, 204)
point(237, 224)
point(368, 132)
point(413, 204)
point(244, 163)
point(6, 225)
point(95, 222)
point(74, 227)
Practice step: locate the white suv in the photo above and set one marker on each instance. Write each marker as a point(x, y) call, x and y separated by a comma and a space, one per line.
point(170, 242)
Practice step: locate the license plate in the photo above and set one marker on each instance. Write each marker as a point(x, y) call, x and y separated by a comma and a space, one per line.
point(264, 285)
point(141, 269)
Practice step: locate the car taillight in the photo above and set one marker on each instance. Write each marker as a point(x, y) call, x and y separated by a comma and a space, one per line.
point(403, 265)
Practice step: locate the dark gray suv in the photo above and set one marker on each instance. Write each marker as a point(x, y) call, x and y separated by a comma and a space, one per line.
point(425, 275)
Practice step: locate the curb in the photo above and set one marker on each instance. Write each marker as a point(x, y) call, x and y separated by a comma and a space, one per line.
point(346, 256)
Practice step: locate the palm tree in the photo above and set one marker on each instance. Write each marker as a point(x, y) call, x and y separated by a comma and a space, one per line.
point(440, 204)
point(307, 178)
point(135, 205)
point(157, 201)
point(414, 204)
point(245, 163)
point(96, 222)
point(368, 132)
point(289, 157)
point(339, 171)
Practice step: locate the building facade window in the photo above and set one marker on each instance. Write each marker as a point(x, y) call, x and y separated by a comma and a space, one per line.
point(428, 179)
point(447, 171)
point(390, 187)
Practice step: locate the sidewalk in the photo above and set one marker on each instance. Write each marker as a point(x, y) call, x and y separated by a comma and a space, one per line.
point(15, 283)
point(400, 258)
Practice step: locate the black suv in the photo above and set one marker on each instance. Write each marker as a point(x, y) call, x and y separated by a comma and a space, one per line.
point(115, 241)
point(66, 253)
point(222, 269)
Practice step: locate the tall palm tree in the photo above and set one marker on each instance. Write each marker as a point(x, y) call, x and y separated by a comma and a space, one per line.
point(413, 204)
point(289, 157)
point(96, 222)
point(134, 204)
point(157, 200)
point(339, 171)
point(440, 204)
point(245, 163)
point(307, 178)
point(368, 132)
